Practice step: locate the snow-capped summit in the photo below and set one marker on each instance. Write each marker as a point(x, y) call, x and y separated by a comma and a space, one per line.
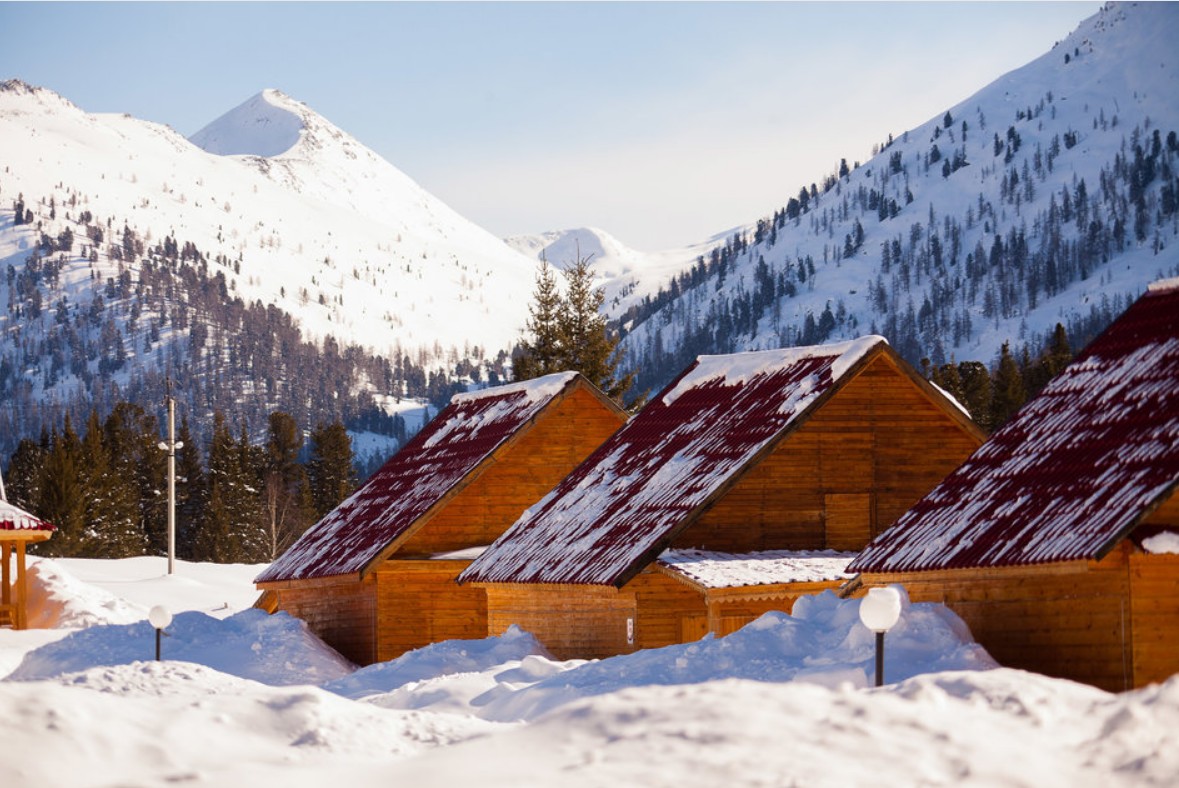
point(293, 210)
point(267, 124)
point(617, 268)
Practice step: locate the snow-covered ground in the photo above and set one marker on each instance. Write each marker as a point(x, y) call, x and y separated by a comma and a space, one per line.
point(243, 698)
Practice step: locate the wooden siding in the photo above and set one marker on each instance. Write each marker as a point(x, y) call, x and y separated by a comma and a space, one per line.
point(586, 622)
point(519, 477)
point(1167, 513)
point(863, 458)
point(729, 609)
point(342, 614)
point(1154, 602)
point(1071, 620)
point(419, 603)
point(667, 610)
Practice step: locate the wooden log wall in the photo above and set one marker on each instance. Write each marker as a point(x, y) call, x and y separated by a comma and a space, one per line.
point(565, 434)
point(668, 611)
point(573, 622)
point(342, 613)
point(1071, 620)
point(868, 454)
point(729, 609)
point(419, 603)
point(1154, 602)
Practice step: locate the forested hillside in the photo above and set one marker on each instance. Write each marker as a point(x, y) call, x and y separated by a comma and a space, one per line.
point(1048, 197)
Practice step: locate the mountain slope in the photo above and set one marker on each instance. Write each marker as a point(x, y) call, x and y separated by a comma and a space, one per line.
point(317, 279)
point(306, 217)
point(1049, 196)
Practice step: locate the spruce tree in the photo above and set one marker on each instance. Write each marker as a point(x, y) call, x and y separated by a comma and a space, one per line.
point(214, 539)
point(1007, 387)
point(26, 474)
point(571, 333)
point(542, 353)
point(329, 470)
point(976, 391)
point(190, 491)
point(285, 485)
point(62, 497)
point(135, 485)
point(247, 504)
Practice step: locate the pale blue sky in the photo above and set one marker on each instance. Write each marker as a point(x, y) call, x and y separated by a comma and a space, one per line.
point(662, 123)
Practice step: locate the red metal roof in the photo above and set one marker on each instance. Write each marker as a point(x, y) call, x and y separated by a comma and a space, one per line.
point(414, 479)
point(13, 518)
point(624, 504)
point(1072, 472)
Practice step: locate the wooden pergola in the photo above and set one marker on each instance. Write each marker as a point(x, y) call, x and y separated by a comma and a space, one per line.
point(18, 528)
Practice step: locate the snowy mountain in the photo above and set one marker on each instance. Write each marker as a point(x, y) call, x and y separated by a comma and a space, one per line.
point(1048, 196)
point(625, 274)
point(308, 218)
point(131, 238)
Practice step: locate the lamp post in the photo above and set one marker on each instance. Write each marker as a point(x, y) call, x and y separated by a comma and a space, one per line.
point(170, 446)
point(879, 611)
point(159, 617)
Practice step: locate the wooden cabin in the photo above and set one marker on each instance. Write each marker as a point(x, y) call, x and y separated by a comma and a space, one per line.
point(376, 576)
point(18, 529)
point(812, 448)
point(1057, 540)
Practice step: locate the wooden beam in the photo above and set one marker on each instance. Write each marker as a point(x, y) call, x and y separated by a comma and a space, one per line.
point(22, 596)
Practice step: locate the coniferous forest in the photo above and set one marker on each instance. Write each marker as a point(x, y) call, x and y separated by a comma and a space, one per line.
point(104, 486)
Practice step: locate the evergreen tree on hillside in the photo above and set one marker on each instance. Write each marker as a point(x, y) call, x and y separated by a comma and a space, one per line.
point(542, 353)
point(590, 348)
point(62, 497)
point(191, 493)
point(247, 502)
point(214, 538)
point(1055, 358)
point(1008, 391)
point(285, 485)
point(571, 333)
point(136, 521)
point(329, 470)
point(26, 474)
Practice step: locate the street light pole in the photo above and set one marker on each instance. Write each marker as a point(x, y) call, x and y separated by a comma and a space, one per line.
point(879, 611)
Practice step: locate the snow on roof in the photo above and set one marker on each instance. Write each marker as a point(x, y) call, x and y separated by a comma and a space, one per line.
point(1163, 284)
point(770, 567)
point(414, 479)
point(13, 518)
point(1071, 473)
point(651, 477)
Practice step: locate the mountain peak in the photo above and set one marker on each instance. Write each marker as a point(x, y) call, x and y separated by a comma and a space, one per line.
point(267, 124)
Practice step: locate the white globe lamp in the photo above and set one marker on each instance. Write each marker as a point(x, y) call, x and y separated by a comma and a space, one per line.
point(879, 611)
point(159, 617)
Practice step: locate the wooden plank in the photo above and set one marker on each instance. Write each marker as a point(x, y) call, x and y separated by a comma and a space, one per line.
point(1071, 620)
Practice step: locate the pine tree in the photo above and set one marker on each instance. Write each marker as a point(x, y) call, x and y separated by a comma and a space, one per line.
point(191, 493)
point(542, 354)
point(62, 498)
point(1007, 385)
point(285, 485)
point(247, 504)
point(135, 486)
point(578, 338)
point(329, 469)
point(26, 474)
point(976, 391)
point(214, 539)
